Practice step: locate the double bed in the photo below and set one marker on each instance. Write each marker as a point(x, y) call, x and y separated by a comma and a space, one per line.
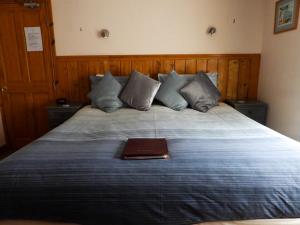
point(223, 166)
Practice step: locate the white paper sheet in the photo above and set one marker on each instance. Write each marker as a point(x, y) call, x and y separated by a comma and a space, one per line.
point(33, 39)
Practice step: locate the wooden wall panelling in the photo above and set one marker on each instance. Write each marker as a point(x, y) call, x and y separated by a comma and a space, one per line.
point(168, 66)
point(151, 66)
point(243, 78)
point(202, 65)
point(233, 76)
point(125, 66)
point(83, 82)
point(144, 66)
point(223, 67)
point(238, 74)
point(137, 65)
point(212, 65)
point(106, 67)
point(97, 67)
point(73, 81)
point(156, 66)
point(180, 66)
point(159, 65)
point(254, 77)
point(191, 66)
point(113, 66)
point(61, 79)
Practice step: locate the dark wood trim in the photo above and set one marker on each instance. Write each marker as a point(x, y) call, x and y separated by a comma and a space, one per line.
point(158, 56)
point(51, 39)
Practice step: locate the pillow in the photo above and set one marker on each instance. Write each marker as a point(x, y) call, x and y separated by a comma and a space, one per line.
point(213, 76)
point(140, 91)
point(95, 79)
point(168, 93)
point(201, 93)
point(105, 94)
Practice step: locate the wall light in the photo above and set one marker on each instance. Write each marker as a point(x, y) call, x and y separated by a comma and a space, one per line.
point(211, 30)
point(104, 33)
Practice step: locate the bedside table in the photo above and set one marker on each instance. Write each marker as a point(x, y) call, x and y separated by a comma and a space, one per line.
point(255, 110)
point(58, 114)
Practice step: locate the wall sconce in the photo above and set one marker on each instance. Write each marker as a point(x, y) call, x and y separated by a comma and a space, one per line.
point(211, 30)
point(104, 33)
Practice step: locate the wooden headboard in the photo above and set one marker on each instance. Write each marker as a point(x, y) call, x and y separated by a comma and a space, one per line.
point(238, 73)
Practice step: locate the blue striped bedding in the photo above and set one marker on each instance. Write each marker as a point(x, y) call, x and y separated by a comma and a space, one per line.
point(222, 166)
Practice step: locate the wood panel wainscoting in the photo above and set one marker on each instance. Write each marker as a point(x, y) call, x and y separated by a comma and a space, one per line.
point(238, 73)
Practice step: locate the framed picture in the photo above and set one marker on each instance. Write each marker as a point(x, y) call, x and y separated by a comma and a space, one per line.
point(286, 16)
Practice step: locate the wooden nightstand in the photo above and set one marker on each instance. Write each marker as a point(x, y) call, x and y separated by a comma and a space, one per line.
point(58, 114)
point(255, 110)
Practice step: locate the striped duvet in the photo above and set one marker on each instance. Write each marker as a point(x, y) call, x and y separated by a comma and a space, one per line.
point(223, 166)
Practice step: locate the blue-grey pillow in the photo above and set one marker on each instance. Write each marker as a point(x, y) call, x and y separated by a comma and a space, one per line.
point(140, 91)
point(168, 93)
point(104, 94)
point(95, 79)
point(201, 93)
point(213, 76)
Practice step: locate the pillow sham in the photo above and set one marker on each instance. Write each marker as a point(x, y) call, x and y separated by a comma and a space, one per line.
point(168, 93)
point(105, 94)
point(140, 91)
point(213, 76)
point(201, 93)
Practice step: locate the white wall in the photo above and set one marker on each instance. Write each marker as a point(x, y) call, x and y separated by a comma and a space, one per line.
point(157, 26)
point(279, 83)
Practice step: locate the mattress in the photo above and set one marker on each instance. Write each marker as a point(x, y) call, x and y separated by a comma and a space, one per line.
point(222, 122)
point(223, 167)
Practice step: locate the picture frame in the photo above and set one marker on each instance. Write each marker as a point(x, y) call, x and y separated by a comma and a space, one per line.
point(286, 16)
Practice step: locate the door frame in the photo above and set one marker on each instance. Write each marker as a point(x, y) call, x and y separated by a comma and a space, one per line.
point(50, 41)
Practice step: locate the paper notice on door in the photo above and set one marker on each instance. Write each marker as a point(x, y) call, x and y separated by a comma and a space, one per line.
point(33, 37)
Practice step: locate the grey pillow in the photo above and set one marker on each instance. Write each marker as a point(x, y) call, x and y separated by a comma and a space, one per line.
point(201, 93)
point(168, 93)
point(105, 94)
point(95, 79)
point(140, 91)
point(213, 76)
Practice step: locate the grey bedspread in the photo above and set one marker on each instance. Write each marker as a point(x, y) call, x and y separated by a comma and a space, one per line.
point(223, 166)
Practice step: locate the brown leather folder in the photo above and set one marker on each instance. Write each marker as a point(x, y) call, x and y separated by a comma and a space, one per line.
point(141, 148)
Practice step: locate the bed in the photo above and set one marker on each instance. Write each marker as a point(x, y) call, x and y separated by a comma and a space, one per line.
point(222, 167)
